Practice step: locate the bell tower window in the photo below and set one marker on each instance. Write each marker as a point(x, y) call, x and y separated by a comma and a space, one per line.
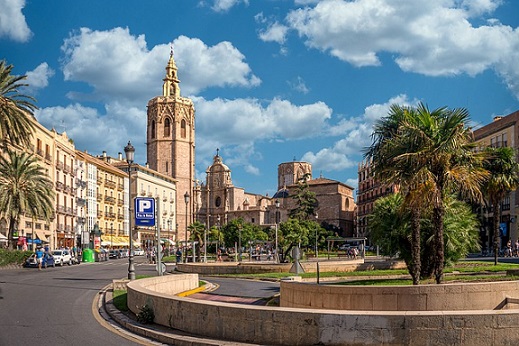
point(153, 129)
point(183, 128)
point(167, 128)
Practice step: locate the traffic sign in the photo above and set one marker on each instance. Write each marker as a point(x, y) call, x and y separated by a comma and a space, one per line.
point(162, 268)
point(144, 211)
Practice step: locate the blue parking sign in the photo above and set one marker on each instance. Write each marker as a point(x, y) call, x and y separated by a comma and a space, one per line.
point(144, 211)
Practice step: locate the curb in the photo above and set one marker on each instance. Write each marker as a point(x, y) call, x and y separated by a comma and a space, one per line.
point(157, 332)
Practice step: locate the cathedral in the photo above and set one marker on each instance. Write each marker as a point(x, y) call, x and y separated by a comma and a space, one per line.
point(171, 151)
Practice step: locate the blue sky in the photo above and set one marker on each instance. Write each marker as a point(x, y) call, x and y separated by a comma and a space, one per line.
point(272, 80)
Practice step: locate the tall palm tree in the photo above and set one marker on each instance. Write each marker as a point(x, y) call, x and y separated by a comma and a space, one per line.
point(16, 109)
point(24, 188)
point(382, 153)
point(504, 169)
point(436, 150)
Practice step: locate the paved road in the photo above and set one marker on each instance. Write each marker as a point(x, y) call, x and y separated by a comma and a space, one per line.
point(55, 306)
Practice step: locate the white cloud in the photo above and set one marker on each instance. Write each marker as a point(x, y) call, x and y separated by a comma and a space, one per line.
point(39, 77)
point(95, 132)
point(430, 37)
point(356, 136)
point(299, 85)
point(238, 125)
point(275, 32)
point(226, 5)
point(12, 21)
point(118, 65)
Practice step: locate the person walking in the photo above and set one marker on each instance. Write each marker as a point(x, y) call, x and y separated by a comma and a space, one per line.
point(39, 256)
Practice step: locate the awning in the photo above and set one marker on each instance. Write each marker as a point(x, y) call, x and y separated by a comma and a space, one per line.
point(167, 241)
point(115, 241)
point(40, 235)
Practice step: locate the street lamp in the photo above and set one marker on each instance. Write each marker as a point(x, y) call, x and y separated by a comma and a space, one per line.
point(186, 199)
point(316, 247)
point(129, 150)
point(277, 221)
point(111, 234)
point(239, 243)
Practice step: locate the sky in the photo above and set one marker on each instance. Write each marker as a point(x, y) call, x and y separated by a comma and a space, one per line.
point(272, 81)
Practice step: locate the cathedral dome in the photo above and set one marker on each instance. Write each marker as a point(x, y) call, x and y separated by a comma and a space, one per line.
point(282, 193)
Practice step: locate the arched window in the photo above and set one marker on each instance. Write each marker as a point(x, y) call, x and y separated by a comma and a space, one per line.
point(153, 129)
point(183, 128)
point(167, 128)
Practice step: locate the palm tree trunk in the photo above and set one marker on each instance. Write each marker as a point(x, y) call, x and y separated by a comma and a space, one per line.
point(10, 235)
point(415, 245)
point(438, 213)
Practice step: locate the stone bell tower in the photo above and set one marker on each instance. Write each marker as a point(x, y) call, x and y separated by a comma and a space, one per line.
point(170, 140)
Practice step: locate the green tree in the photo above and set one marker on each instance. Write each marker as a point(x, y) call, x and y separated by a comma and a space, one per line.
point(405, 175)
point(16, 110)
point(24, 188)
point(306, 201)
point(436, 150)
point(295, 232)
point(196, 233)
point(391, 230)
point(503, 178)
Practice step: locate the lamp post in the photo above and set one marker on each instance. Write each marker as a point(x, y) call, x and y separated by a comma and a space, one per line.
point(218, 239)
point(316, 247)
point(129, 150)
point(186, 199)
point(277, 221)
point(111, 235)
point(239, 243)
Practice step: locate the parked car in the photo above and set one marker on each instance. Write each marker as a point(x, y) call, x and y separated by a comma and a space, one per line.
point(62, 257)
point(123, 253)
point(114, 254)
point(138, 252)
point(48, 261)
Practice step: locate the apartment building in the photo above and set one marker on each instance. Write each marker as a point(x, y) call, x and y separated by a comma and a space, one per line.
point(502, 132)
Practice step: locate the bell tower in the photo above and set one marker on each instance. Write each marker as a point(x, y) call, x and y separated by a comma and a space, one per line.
point(170, 142)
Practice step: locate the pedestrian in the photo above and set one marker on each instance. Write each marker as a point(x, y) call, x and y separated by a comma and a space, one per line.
point(219, 255)
point(179, 255)
point(39, 256)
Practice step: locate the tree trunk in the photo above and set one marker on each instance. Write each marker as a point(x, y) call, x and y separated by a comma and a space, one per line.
point(438, 213)
point(10, 234)
point(415, 246)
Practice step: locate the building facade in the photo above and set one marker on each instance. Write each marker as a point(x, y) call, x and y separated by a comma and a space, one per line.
point(502, 132)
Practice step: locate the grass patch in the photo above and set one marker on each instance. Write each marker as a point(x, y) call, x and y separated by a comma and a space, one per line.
point(120, 300)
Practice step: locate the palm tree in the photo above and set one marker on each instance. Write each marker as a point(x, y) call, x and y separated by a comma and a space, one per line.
point(504, 169)
point(382, 152)
point(24, 188)
point(436, 150)
point(196, 231)
point(16, 110)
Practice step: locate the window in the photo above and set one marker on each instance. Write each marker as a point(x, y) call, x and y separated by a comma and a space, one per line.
point(153, 129)
point(167, 128)
point(183, 128)
point(218, 201)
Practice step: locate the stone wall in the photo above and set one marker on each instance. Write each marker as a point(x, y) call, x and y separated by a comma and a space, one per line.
point(460, 296)
point(291, 326)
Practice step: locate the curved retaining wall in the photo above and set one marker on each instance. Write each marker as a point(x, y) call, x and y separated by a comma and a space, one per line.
point(469, 296)
point(291, 326)
point(262, 267)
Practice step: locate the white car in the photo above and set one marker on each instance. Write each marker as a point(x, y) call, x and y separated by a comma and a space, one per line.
point(62, 257)
point(138, 252)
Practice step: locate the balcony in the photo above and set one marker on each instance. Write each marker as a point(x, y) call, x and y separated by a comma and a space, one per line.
point(67, 169)
point(48, 158)
point(59, 186)
point(39, 152)
point(110, 200)
point(120, 201)
point(99, 197)
point(81, 183)
point(99, 213)
point(99, 179)
point(110, 215)
point(81, 220)
point(59, 165)
point(120, 187)
point(80, 201)
point(61, 209)
point(110, 184)
point(120, 216)
point(143, 193)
